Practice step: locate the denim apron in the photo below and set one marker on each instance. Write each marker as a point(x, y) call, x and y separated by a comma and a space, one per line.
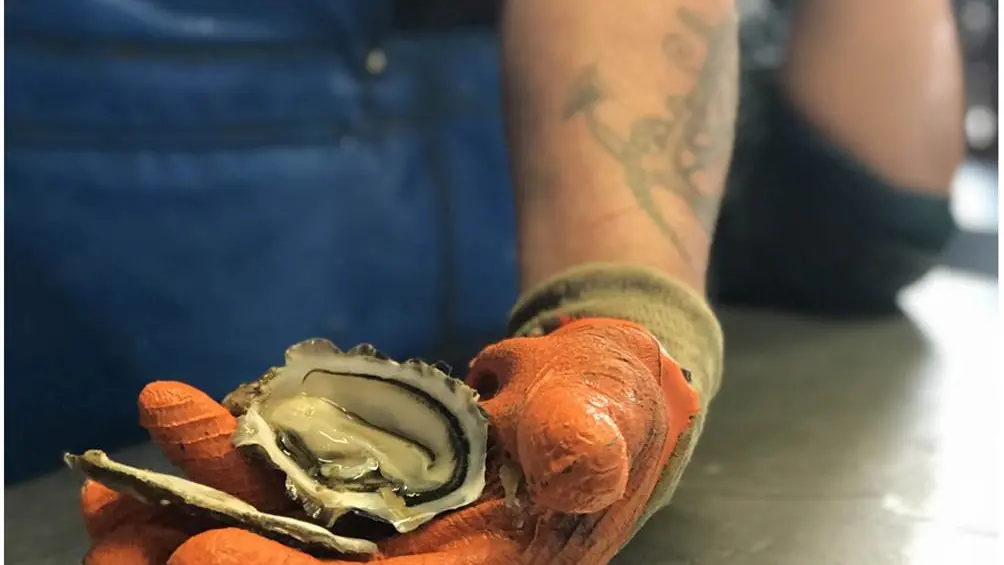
point(193, 185)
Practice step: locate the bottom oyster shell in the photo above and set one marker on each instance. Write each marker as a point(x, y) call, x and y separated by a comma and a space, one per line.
point(202, 501)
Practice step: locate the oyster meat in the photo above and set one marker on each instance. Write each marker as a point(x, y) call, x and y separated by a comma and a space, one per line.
point(357, 432)
point(354, 432)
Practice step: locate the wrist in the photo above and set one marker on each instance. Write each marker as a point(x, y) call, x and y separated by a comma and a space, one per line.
point(680, 320)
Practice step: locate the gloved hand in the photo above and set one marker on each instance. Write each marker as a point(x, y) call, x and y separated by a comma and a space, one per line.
point(589, 410)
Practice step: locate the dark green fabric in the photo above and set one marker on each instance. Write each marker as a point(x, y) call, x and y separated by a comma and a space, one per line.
point(805, 226)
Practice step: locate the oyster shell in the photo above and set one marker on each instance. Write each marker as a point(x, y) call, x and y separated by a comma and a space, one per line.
point(354, 432)
point(357, 432)
point(201, 501)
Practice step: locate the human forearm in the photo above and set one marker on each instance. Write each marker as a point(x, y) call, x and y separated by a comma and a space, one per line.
point(620, 123)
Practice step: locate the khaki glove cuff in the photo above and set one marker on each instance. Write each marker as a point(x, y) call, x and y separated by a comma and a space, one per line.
point(676, 315)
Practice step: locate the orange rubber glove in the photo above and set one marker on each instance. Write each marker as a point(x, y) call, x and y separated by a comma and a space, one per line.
point(591, 413)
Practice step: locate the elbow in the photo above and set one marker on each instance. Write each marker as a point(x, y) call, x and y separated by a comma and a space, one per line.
point(893, 97)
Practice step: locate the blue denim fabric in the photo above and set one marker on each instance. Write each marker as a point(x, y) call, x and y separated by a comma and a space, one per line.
point(192, 186)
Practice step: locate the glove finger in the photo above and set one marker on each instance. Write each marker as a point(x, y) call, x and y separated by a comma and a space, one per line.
point(600, 427)
point(230, 546)
point(105, 510)
point(588, 408)
point(492, 516)
point(483, 549)
point(194, 432)
point(135, 544)
point(573, 455)
point(494, 368)
point(573, 458)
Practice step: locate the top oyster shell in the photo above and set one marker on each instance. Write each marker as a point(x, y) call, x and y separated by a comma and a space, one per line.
point(206, 503)
point(357, 432)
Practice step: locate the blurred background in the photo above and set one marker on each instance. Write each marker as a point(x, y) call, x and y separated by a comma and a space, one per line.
point(191, 186)
point(764, 34)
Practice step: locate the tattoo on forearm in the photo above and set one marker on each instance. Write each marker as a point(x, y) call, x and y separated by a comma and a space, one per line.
point(671, 152)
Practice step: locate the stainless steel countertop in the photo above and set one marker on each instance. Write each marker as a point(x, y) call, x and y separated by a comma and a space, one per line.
point(860, 443)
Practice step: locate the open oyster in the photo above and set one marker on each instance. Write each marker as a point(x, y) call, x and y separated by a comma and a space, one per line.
point(358, 432)
point(354, 432)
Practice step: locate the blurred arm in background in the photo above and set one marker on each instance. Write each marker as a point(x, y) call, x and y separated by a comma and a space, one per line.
point(620, 122)
point(884, 81)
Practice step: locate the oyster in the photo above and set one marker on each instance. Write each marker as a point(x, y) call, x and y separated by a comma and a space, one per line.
point(354, 432)
point(357, 432)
